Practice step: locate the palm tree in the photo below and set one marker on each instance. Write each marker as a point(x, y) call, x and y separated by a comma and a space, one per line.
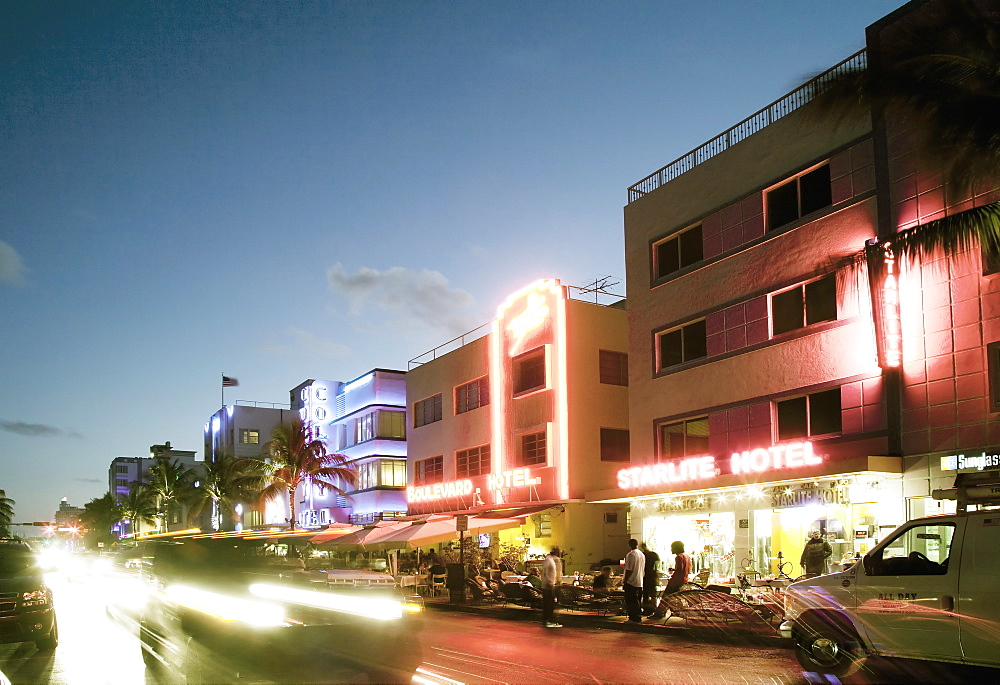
point(172, 485)
point(298, 456)
point(138, 505)
point(936, 72)
point(229, 481)
point(99, 515)
point(6, 514)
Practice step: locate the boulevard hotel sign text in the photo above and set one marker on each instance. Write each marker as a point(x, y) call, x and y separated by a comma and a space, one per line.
point(788, 456)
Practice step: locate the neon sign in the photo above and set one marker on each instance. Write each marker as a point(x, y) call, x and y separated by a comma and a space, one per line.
point(791, 455)
point(883, 277)
point(426, 493)
point(536, 311)
point(515, 478)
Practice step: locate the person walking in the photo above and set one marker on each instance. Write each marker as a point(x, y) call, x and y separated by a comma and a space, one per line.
point(815, 554)
point(551, 577)
point(635, 567)
point(650, 579)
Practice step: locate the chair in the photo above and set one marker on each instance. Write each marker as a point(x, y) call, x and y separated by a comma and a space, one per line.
point(437, 583)
point(522, 594)
point(702, 577)
point(480, 592)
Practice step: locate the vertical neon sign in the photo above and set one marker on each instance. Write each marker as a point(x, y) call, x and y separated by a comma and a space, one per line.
point(883, 281)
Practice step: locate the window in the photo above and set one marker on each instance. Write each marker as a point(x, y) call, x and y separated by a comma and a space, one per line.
point(427, 471)
point(384, 472)
point(991, 262)
point(677, 252)
point(249, 436)
point(121, 469)
point(364, 428)
point(804, 305)
point(921, 550)
point(682, 344)
point(614, 444)
point(529, 371)
point(533, 449)
point(391, 424)
point(473, 462)
point(683, 438)
point(543, 526)
point(427, 411)
point(121, 484)
point(815, 414)
point(472, 395)
point(614, 367)
point(798, 197)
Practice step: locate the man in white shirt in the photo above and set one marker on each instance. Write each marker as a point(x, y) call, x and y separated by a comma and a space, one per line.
point(635, 567)
point(551, 576)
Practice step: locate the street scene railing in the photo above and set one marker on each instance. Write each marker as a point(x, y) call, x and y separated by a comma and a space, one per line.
point(755, 122)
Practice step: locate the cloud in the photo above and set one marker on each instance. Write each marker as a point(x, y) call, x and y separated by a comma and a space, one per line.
point(301, 342)
point(12, 269)
point(36, 430)
point(413, 299)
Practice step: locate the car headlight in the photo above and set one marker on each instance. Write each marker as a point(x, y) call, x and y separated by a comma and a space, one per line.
point(34, 598)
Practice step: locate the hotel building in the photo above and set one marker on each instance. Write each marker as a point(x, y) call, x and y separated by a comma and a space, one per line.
point(772, 393)
point(521, 418)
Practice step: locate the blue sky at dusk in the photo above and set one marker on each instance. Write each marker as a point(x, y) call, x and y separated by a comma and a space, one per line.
point(283, 191)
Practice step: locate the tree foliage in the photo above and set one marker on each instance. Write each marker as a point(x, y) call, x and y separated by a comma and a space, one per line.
point(6, 514)
point(229, 481)
point(297, 456)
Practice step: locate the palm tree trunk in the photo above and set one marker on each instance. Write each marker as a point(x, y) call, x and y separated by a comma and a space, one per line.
point(291, 508)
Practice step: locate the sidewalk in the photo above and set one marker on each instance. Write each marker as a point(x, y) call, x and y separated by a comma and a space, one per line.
point(582, 619)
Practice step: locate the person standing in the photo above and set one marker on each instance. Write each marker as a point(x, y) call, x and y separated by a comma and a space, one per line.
point(815, 554)
point(650, 578)
point(635, 567)
point(551, 577)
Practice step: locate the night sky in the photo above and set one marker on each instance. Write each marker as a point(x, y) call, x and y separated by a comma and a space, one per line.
point(293, 190)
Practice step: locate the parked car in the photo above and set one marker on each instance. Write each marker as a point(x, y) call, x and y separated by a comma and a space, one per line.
point(928, 591)
point(26, 611)
point(243, 599)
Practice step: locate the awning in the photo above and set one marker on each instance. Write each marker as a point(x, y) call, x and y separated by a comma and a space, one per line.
point(358, 539)
point(436, 530)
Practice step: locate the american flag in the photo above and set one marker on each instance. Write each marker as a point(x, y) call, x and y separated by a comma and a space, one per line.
point(228, 382)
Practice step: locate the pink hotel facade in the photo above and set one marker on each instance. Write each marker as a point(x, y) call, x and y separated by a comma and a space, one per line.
point(767, 395)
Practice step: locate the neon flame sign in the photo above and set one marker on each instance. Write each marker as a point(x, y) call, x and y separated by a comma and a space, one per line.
point(883, 280)
point(536, 311)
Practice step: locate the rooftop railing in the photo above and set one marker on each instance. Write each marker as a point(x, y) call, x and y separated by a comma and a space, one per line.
point(598, 296)
point(746, 128)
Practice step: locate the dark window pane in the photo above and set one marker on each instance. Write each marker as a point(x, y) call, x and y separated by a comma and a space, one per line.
point(671, 350)
point(697, 436)
point(695, 341)
point(786, 311)
point(782, 205)
point(824, 412)
point(821, 300)
point(614, 444)
point(672, 440)
point(792, 419)
point(691, 246)
point(613, 367)
point(530, 371)
point(533, 449)
point(667, 260)
point(815, 189)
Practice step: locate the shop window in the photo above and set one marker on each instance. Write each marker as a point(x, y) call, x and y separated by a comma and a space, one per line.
point(249, 436)
point(427, 471)
point(614, 444)
point(804, 305)
point(816, 414)
point(533, 449)
point(614, 367)
point(799, 197)
point(993, 366)
point(677, 252)
point(427, 411)
point(472, 395)
point(529, 371)
point(683, 344)
point(472, 462)
point(921, 550)
point(683, 438)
